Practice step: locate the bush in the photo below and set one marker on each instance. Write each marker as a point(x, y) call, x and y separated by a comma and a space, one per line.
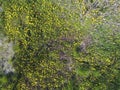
point(64, 47)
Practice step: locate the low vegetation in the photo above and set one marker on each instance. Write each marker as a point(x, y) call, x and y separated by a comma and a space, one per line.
point(62, 45)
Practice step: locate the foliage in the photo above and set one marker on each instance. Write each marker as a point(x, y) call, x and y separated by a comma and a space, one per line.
point(74, 47)
point(40, 32)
